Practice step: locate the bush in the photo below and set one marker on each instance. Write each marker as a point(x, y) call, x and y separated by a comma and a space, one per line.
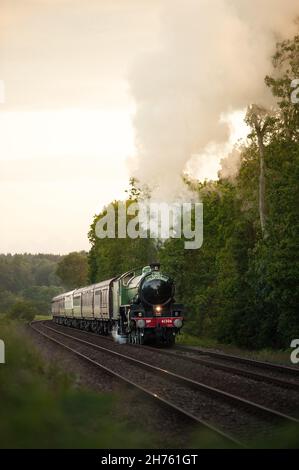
point(45, 408)
point(23, 310)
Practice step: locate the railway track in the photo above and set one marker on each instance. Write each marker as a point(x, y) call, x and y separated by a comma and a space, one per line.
point(248, 414)
point(277, 368)
point(282, 376)
point(209, 361)
point(225, 440)
point(282, 395)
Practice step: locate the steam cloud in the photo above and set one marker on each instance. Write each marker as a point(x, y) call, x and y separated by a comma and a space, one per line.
point(212, 60)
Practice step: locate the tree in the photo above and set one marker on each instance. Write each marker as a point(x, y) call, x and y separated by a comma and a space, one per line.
point(109, 257)
point(41, 296)
point(261, 122)
point(286, 67)
point(20, 273)
point(23, 310)
point(73, 270)
point(134, 191)
point(7, 300)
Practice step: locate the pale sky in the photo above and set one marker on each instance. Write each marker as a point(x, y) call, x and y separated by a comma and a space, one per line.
point(65, 126)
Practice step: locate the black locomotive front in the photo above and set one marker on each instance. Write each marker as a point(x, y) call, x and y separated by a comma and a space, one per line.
point(154, 315)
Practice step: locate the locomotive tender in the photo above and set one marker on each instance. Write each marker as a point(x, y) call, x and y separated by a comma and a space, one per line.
point(137, 306)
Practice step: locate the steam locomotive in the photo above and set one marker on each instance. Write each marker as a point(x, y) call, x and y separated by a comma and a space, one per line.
point(137, 307)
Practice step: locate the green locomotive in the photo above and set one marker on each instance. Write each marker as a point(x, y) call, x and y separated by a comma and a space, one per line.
point(137, 307)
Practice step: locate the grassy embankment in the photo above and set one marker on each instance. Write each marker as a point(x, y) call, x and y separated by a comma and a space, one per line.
point(41, 406)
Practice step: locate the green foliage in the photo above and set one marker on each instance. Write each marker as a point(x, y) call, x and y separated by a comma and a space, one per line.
point(109, 257)
point(41, 296)
point(28, 277)
point(239, 288)
point(23, 310)
point(207, 279)
point(286, 65)
point(73, 270)
point(7, 300)
point(274, 264)
point(17, 272)
point(44, 408)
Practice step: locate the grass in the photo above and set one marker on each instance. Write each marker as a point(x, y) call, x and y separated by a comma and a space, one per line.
point(279, 357)
point(37, 317)
point(45, 409)
point(42, 317)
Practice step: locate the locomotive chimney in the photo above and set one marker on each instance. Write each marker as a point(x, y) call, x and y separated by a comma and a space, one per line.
point(155, 266)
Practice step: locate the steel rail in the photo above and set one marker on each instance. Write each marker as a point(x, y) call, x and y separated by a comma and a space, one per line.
point(287, 384)
point(233, 358)
point(227, 439)
point(252, 406)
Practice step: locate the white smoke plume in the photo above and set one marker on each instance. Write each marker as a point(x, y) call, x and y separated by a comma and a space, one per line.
point(212, 60)
point(230, 165)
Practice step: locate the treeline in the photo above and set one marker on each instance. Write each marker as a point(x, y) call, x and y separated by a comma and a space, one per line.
point(242, 286)
point(29, 282)
point(30, 278)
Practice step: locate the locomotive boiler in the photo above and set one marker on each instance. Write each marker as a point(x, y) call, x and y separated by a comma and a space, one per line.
point(137, 306)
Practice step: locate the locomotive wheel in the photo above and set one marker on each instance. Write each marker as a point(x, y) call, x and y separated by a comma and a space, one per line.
point(170, 339)
point(136, 337)
point(132, 337)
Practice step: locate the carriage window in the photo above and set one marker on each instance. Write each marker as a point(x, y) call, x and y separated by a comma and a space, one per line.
point(105, 297)
point(87, 298)
point(77, 301)
point(98, 297)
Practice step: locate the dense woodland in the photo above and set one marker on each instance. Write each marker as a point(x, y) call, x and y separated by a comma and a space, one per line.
point(30, 278)
point(241, 287)
point(28, 282)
